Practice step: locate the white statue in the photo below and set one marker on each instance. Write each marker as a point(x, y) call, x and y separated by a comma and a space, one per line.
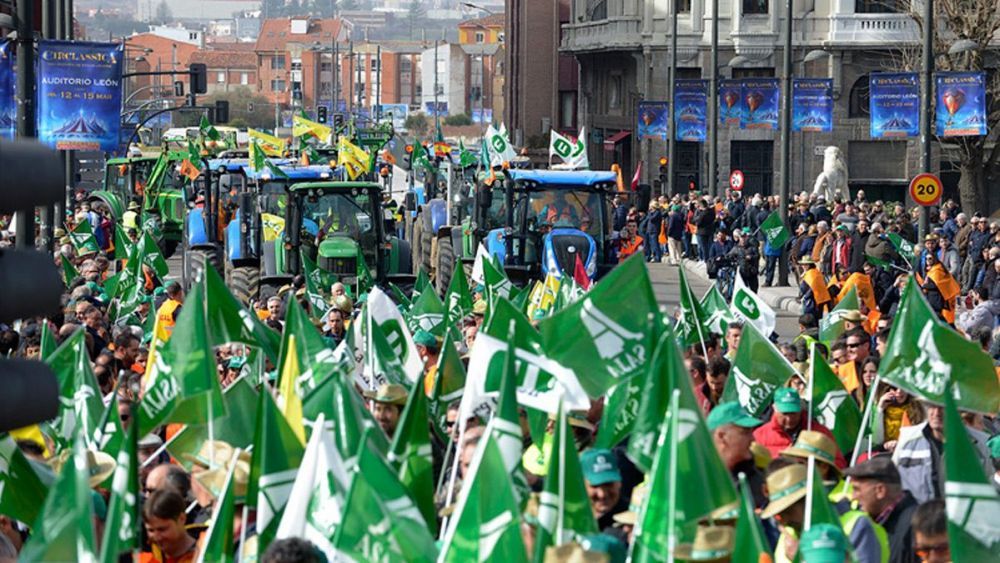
point(832, 181)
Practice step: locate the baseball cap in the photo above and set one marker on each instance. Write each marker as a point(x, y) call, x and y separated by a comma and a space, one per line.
point(787, 400)
point(731, 413)
point(823, 543)
point(879, 468)
point(237, 362)
point(994, 446)
point(600, 466)
point(424, 338)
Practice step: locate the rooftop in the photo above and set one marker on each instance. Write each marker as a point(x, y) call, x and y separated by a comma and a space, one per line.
point(492, 20)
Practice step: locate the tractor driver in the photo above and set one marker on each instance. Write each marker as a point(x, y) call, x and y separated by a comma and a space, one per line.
point(560, 213)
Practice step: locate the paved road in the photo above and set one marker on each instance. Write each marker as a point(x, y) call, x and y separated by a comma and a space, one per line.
point(666, 284)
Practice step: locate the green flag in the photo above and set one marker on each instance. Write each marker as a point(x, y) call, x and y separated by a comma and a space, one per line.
point(419, 156)
point(384, 313)
point(22, 491)
point(385, 525)
point(316, 359)
point(486, 525)
point(47, 343)
point(904, 247)
point(121, 528)
point(208, 130)
point(497, 283)
point(64, 530)
point(382, 365)
point(234, 426)
point(277, 454)
point(152, 257)
point(109, 436)
point(83, 239)
point(758, 369)
point(318, 282)
point(69, 271)
point(620, 411)
point(123, 246)
point(411, 451)
point(229, 321)
point(832, 406)
point(923, 355)
point(685, 457)
point(258, 159)
point(564, 512)
point(751, 544)
point(715, 310)
point(465, 158)
point(449, 384)
point(775, 232)
point(428, 313)
point(218, 539)
point(972, 502)
point(618, 336)
point(80, 404)
point(818, 507)
point(505, 426)
point(337, 402)
point(421, 284)
point(831, 325)
point(689, 327)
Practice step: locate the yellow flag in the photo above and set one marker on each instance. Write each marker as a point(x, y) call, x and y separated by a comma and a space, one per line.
point(353, 158)
point(291, 403)
point(302, 126)
point(272, 225)
point(271, 145)
point(32, 434)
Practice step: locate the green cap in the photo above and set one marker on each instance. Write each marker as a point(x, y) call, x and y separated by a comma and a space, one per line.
point(994, 445)
point(237, 362)
point(424, 338)
point(787, 400)
point(607, 544)
point(600, 466)
point(100, 507)
point(823, 543)
point(731, 413)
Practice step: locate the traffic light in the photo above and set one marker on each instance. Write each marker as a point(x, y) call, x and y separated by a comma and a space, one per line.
point(29, 282)
point(178, 89)
point(199, 77)
point(221, 111)
point(250, 107)
point(321, 114)
point(664, 173)
point(338, 121)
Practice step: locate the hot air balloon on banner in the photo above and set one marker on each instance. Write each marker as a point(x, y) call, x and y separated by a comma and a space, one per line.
point(953, 101)
point(753, 99)
point(730, 99)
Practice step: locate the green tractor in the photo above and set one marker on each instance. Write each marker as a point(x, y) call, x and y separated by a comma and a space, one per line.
point(162, 204)
point(342, 228)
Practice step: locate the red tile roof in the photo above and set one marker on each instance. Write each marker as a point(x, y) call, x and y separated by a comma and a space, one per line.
point(219, 58)
point(493, 20)
point(275, 34)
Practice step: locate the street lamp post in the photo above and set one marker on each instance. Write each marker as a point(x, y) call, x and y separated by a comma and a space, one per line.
point(713, 101)
point(672, 104)
point(925, 108)
point(786, 137)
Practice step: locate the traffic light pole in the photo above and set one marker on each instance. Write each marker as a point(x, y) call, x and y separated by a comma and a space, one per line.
point(24, 231)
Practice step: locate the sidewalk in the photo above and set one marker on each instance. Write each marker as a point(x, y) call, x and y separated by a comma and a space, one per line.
point(778, 298)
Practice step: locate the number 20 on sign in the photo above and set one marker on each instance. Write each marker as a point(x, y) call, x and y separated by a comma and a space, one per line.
point(926, 189)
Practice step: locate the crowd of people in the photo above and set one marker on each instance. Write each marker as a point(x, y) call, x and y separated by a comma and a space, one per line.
point(892, 509)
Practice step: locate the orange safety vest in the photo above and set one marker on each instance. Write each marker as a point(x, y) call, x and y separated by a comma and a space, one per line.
point(862, 284)
point(814, 279)
point(165, 319)
point(948, 287)
point(629, 247)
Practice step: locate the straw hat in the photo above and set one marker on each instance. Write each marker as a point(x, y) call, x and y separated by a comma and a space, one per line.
point(813, 444)
point(214, 480)
point(711, 543)
point(631, 516)
point(100, 465)
point(785, 487)
point(213, 453)
point(390, 393)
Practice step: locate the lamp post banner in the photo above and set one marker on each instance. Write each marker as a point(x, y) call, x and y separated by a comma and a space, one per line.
point(8, 105)
point(895, 104)
point(79, 95)
point(761, 103)
point(691, 110)
point(730, 102)
point(812, 104)
point(654, 119)
point(961, 104)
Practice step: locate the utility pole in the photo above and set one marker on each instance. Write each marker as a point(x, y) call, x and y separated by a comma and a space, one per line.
point(713, 103)
point(47, 213)
point(24, 231)
point(926, 78)
point(786, 137)
point(378, 84)
point(672, 88)
point(336, 76)
point(358, 85)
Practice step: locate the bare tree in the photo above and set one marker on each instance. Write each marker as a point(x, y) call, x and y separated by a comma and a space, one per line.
point(978, 21)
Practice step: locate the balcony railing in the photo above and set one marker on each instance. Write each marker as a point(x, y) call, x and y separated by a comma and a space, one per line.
point(610, 33)
point(875, 29)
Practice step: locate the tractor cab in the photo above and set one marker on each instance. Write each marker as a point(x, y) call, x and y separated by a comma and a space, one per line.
point(540, 222)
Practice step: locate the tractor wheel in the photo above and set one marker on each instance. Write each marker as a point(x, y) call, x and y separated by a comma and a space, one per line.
point(199, 258)
point(244, 282)
point(415, 246)
point(445, 264)
point(426, 242)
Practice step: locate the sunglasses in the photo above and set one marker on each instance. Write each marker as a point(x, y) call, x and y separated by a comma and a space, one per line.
point(923, 552)
point(855, 345)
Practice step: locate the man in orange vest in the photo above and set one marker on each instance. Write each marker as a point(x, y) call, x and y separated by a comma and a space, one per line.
point(812, 289)
point(940, 288)
point(166, 315)
point(630, 241)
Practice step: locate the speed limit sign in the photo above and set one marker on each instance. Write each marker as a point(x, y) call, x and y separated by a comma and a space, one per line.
point(926, 189)
point(736, 180)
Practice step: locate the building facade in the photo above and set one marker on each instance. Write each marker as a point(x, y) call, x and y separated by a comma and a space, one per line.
point(482, 42)
point(623, 47)
point(228, 69)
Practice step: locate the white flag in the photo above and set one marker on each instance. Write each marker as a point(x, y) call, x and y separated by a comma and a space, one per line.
point(477, 266)
point(498, 146)
point(386, 315)
point(751, 307)
point(573, 153)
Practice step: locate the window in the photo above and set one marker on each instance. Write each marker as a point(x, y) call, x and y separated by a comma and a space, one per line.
point(755, 6)
point(859, 101)
point(278, 62)
point(193, 36)
point(567, 110)
point(244, 78)
point(597, 10)
point(405, 65)
point(277, 85)
point(683, 6)
point(480, 37)
point(760, 72)
point(220, 77)
point(615, 92)
point(878, 6)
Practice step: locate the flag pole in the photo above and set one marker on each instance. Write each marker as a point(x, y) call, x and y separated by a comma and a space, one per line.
point(561, 514)
point(243, 532)
point(810, 481)
point(450, 493)
point(675, 399)
point(810, 389)
point(447, 460)
point(864, 421)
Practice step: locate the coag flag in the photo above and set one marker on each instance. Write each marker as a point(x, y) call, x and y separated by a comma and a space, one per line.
point(717, 314)
point(894, 104)
point(923, 355)
point(812, 104)
point(79, 95)
point(761, 103)
point(691, 110)
point(961, 104)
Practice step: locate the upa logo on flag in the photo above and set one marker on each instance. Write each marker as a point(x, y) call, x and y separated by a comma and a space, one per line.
point(562, 148)
point(499, 144)
point(611, 340)
point(773, 232)
point(747, 305)
point(829, 406)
